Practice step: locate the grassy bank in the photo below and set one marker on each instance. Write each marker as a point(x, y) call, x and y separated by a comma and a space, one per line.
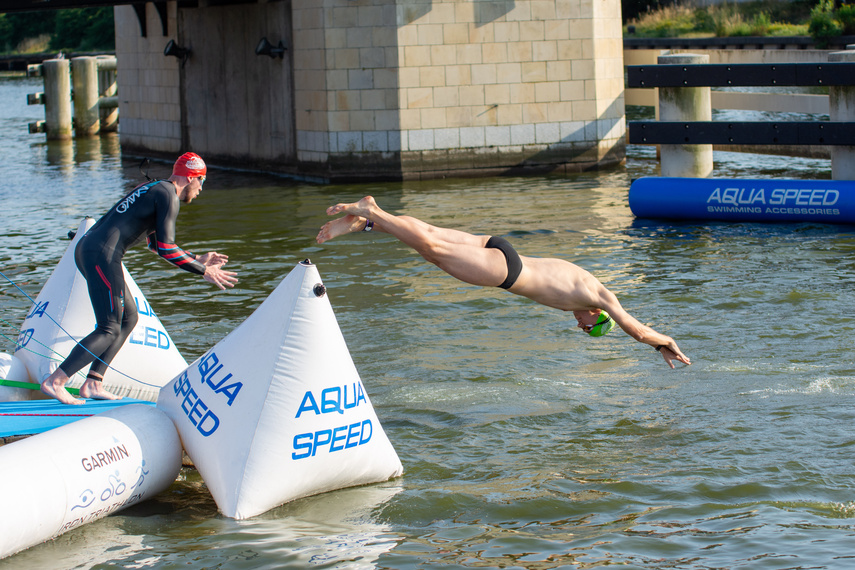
point(760, 18)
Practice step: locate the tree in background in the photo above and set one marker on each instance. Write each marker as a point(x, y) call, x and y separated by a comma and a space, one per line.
point(75, 29)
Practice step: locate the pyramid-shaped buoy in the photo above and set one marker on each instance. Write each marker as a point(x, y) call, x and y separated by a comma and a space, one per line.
point(276, 410)
point(62, 315)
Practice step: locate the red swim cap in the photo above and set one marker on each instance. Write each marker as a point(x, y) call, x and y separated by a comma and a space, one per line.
point(189, 164)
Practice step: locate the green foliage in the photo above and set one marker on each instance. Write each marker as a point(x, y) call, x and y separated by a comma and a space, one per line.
point(18, 26)
point(75, 29)
point(84, 30)
point(846, 17)
point(761, 24)
point(823, 27)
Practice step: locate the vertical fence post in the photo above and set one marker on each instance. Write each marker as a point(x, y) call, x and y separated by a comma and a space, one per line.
point(108, 89)
point(87, 116)
point(841, 107)
point(57, 99)
point(685, 104)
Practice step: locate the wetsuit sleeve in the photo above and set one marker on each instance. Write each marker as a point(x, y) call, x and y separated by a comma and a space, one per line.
point(162, 241)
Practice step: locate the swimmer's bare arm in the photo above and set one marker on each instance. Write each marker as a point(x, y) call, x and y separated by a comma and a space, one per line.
point(640, 332)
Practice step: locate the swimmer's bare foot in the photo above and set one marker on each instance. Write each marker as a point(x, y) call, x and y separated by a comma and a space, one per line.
point(364, 208)
point(93, 389)
point(344, 225)
point(54, 386)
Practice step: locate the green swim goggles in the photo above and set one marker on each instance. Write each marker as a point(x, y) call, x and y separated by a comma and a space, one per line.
point(602, 327)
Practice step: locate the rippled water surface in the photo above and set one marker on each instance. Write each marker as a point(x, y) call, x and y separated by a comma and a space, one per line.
point(525, 443)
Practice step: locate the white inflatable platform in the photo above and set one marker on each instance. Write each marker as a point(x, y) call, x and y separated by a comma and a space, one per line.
point(148, 360)
point(58, 480)
point(276, 410)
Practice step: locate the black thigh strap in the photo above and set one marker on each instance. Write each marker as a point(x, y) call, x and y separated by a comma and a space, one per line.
point(511, 257)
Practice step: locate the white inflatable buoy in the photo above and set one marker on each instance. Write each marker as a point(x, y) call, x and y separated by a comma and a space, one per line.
point(276, 410)
point(58, 480)
point(147, 361)
point(12, 372)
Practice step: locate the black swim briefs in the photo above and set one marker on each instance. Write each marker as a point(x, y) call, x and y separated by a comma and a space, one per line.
point(511, 257)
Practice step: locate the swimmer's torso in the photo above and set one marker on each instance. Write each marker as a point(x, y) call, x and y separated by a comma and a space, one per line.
point(151, 208)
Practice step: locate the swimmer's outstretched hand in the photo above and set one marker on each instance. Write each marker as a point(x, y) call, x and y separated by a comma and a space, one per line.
point(220, 277)
point(213, 258)
point(671, 352)
point(214, 272)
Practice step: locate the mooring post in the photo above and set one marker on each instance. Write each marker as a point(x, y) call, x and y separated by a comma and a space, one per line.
point(57, 99)
point(108, 102)
point(841, 107)
point(87, 116)
point(685, 104)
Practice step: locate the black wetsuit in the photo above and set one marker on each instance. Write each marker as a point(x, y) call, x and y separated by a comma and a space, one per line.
point(512, 259)
point(148, 210)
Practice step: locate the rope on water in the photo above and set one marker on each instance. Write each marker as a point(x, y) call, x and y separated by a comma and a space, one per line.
point(72, 338)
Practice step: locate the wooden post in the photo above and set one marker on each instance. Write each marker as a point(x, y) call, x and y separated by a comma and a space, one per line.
point(841, 107)
point(107, 86)
point(57, 99)
point(87, 117)
point(685, 104)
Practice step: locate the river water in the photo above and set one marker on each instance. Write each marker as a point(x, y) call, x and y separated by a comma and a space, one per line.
point(525, 443)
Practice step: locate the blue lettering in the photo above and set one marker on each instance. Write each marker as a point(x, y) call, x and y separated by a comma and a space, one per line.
point(24, 338)
point(331, 405)
point(357, 397)
point(145, 308)
point(150, 337)
point(163, 340)
point(334, 399)
point(206, 366)
point(339, 438)
point(182, 385)
point(194, 408)
point(211, 384)
point(215, 421)
point(39, 310)
point(231, 391)
point(319, 442)
point(298, 445)
point(336, 438)
point(312, 405)
point(363, 439)
point(352, 433)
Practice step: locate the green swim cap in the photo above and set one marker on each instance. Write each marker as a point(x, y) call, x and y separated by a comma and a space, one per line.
point(603, 326)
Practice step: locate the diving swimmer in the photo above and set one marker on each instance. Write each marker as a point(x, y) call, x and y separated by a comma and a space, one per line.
point(491, 261)
point(149, 211)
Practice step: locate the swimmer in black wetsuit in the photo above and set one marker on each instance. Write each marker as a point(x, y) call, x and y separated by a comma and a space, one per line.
point(493, 262)
point(148, 211)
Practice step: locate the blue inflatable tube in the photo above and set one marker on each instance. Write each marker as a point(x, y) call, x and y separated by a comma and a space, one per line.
point(744, 200)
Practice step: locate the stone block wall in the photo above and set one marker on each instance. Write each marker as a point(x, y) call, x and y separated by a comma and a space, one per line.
point(148, 82)
point(407, 89)
point(426, 88)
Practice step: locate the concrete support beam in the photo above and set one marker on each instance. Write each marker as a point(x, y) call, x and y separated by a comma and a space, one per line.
point(685, 104)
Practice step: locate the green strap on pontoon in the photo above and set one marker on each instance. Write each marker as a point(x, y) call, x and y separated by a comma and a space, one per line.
point(31, 386)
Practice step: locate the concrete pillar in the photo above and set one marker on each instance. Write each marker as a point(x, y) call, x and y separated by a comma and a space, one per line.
point(107, 87)
point(841, 107)
point(685, 104)
point(57, 99)
point(87, 117)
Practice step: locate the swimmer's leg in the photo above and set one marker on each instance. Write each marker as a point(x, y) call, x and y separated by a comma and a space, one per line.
point(462, 255)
